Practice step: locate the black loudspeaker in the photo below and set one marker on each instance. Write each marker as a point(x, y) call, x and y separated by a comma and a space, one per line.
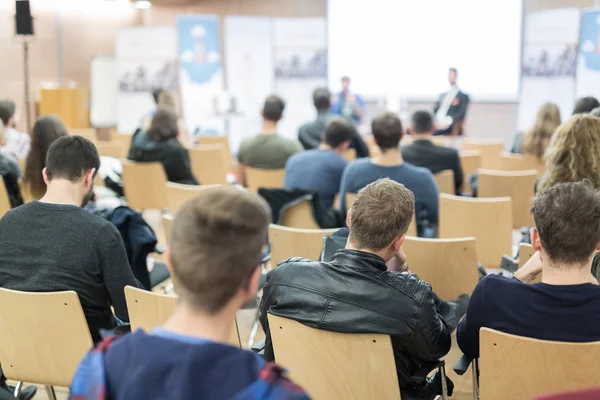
point(23, 20)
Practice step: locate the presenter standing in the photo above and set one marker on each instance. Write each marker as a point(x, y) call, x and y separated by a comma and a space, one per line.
point(346, 104)
point(451, 108)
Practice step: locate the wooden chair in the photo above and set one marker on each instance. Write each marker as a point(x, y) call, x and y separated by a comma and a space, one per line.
point(44, 337)
point(210, 164)
point(264, 178)
point(293, 242)
point(300, 215)
point(335, 366)
point(514, 367)
point(177, 194)
point(112, 149)
point(470, 161)
point(445, 181)
point(222, 140)
point(148, 310)
point(88, 133)
point(4, 199)
point(449, 265)
point(490, 151)
point(167, 221)
point(144, 185)
point(412, 228)
point(349, 154)
point(518, 185)
point(439, 140)
point(489, 221)
point(520, 162)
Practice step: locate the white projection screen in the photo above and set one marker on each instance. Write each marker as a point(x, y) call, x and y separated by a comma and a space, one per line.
point(405, 47)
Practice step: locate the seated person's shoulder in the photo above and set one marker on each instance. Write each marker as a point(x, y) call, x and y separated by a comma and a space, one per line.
point(418, 171)
point(293, 262)
point(408, 285)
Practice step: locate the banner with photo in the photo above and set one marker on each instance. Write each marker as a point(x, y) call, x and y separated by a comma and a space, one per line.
point(588, 66)
point(300, 54)
point(549, 62)
point(200, 73)
point(249, 72)
point(146, 60)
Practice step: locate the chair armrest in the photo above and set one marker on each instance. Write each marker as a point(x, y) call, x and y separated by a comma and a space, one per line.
point(462, 365)
point(420, 374)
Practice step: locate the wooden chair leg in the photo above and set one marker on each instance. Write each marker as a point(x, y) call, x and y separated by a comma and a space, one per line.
point(50, 392)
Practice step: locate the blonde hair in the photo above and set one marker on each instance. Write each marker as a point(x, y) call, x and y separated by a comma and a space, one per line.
point(166, 100)
point(574, 152)
point(537, 138)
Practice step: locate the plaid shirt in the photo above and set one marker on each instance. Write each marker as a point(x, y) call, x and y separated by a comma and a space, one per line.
point(17, 143)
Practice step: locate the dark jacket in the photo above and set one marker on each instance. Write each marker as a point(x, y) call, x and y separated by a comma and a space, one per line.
point(355, 293)
point(423, 153)
point(170, 153)
point(10, 172)
point(309, 134)
point(457, 110)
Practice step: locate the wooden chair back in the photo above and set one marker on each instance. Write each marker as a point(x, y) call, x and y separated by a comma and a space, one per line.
point(335, 366)
point(177, 194)
point(526, 251)
point(115, 149)
point(521, 162)
point(518, 185)
point(44, 336)
point(264, 178)
point(449, 265)
point(210, 164)
point(167, 221)
point(222, 140)
point(4, 199)
point(470, 161)
point(489, 221)
point(412, 228)
point(148, 310)
point(293, 242)
point(300, 215)
point(144, 185)
point(88, 133)
point(349, 154)
point(490, 151)
point(445, 181)
point(515, 367)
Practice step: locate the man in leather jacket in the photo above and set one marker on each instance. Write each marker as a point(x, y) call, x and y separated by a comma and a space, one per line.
point(355, 293)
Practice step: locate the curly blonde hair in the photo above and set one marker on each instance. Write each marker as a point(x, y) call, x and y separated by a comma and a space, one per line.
point(574, 152)
point(537, 138)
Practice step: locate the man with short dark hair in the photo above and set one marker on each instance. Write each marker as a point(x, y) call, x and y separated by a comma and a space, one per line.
point(565, 305)
point(53, 245)
point(423, 153)
point(267, 150)
point(214, 258)
point(387, 132)
point(355, 293)
point(320, 170)
point(17, 143)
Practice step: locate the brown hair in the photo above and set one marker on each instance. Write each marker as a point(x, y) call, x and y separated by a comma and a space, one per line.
point(387, 130)
point(46, 131)
point(574, 152)
point(164, 125)
point(567, 217)
point(537, 138)
point(216, 242)
point(381, 212)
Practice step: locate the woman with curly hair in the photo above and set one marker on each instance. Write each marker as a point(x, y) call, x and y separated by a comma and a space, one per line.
point(573, 153)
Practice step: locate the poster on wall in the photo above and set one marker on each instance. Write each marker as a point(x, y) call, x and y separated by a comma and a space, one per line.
point(249, 72)
point(588, 66)
point(200, 73)
point(300, 66)
point(548, 63)
point(146, 61)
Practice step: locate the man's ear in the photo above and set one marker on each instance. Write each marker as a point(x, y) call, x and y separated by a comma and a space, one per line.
point(167, 258)
point(536, 243)
point(348, 218)
point(397, 243)
point(345, 144)
point(409, 131)
point(89, 177)
point(45, 176)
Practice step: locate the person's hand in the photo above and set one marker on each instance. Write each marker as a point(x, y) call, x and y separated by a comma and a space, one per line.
point(398, 262)
point(531, 269)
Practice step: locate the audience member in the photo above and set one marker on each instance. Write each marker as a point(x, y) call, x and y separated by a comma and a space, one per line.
point(423, 153)
point(160, 143)
point(387, 132)
point(535, 140)
point(10, 172)
point(355, 293)
point(565, 305)
point(46, 130)
point(310, 134)
point(347, 104)
point(53, 244)
point(573, 153)
point(320, 170)
point(17, 143)
point(215, 249)
point(585, 105)
point(267, 150)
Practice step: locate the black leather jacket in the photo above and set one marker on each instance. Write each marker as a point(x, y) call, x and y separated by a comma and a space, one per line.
point(355, 293)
